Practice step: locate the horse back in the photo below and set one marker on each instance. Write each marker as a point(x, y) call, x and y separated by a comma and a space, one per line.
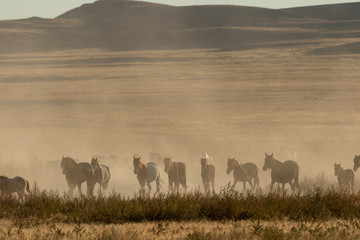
point(85, 171)
point(208, 174)
point(348, 175)
point(251, 169)
point(10, 185)
point(181, 167)
point(285, 172)
point(106, 172)
point(152, 171)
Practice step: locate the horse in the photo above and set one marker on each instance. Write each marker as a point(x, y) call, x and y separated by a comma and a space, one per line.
point(247, 172)
point(77, 173)
point(345, 177)
point(282, 172)
point(16, 184)
point(207, 174)
point(146, 173)
point(177, 174)
point(356, 162)
point(101, 173)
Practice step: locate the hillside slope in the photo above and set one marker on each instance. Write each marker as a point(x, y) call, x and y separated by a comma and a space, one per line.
point(135, 25)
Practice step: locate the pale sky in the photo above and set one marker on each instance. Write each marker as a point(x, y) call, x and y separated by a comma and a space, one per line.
point(16, 9)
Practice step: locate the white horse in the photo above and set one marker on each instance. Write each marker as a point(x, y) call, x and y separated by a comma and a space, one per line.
point(146, 173)
point(16, 184)
point(101, 173)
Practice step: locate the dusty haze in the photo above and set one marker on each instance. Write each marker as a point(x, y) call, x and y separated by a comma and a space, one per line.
point(181, 103)
point(285, 81)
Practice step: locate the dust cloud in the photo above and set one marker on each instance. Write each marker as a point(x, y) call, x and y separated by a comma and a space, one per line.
point(228, 104)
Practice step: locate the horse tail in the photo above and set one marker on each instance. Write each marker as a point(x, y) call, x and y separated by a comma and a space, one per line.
point(257, 179)
point(106, 182)
point(27, 186)
point(296, 180)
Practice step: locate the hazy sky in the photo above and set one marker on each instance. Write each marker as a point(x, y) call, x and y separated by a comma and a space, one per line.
point(15, 9)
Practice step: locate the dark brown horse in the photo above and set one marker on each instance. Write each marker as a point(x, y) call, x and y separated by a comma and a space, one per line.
point(77, 173)
point(207, 175)
point(247, 172)
point(282, 172)
point(177, 174)
point(101, 173)
point(146, 173)
point(345, 177)
point(356, 162)
point(15, 185)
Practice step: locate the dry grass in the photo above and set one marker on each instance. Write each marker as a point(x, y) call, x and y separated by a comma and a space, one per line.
point(187, 230)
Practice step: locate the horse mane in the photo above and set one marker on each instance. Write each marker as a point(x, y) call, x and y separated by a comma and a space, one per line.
point(70, 160)
point(96, 163)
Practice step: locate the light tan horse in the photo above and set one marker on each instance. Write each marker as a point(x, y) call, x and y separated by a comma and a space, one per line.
point(101, 173)
point(345, 178)
point(15, 185)
point(146, 173)
point(177, 174)
point(207, 175)
point(282, 172)
point(247, 172)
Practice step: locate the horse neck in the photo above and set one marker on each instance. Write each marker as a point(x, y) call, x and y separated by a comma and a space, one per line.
point(203, 166)
point(236, 164)
point(72, 165)
point(340, 171)
point(96, 165)
point(276, 162)
point(171, 165)
point(142, 170)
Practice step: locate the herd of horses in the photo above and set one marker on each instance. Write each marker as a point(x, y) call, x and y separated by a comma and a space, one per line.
point(281, 172)
point(286, 172)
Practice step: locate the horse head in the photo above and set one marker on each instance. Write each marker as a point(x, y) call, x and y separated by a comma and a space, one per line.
point(137, 164)
point(336, 168)
point(95, 163)
point(269, 161)
point(65, 165)
point(167, 164)
point(230, 165)
point(356, 162)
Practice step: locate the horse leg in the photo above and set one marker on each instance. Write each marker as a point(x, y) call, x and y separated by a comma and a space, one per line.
point(177, 187)
point(244, 186)
point(71, 189)
point(183, 184)
point(205, 185)
point(21, 196)
point(292, 185)
point(283, 187)
point(157, 185)
point(251, 184)
point(79, 188)
point(272, 185)
point(149, 187)
point(90, 187)
point(233, 186)
point(213, 188)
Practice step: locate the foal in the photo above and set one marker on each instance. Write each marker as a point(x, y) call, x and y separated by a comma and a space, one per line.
point(345, 177)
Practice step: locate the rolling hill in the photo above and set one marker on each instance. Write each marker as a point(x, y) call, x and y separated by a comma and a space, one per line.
point(135, 25)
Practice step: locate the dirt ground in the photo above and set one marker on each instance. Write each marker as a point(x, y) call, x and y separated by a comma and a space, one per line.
point(182, 103)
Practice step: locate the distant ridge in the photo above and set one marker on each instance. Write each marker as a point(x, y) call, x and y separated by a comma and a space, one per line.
point(137, 25)
point(333, 12)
